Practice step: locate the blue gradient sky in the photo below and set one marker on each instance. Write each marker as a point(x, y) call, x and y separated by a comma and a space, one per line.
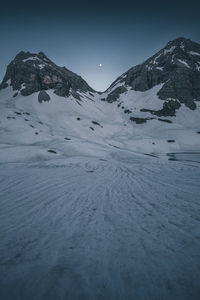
point(83, 34)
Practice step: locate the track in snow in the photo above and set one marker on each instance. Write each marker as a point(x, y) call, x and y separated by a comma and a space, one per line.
point(123, 228)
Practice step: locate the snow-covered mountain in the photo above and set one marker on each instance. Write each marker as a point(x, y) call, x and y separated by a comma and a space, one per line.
point(91, 207)
point(29, 73)
point(153, 108)
point(176, 67)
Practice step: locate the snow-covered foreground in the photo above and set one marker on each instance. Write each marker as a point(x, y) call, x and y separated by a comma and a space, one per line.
point(121, 227)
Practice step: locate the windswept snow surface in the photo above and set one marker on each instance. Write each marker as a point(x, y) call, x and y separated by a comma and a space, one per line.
point(123, 227)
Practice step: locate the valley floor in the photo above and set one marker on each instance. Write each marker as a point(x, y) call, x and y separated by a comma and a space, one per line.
point(123, 227)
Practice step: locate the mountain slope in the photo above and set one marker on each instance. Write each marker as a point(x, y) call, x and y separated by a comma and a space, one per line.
point(176, 66)
point(47, 110)
point(29, 73)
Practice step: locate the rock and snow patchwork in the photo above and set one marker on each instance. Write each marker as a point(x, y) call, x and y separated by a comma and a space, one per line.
point(30, 58)
point(140, 110)
point(42, 121)
point(159, 68)
point(170, 50)
point(194, 53)
point(184, 63)
point(36, 72)
point(41, 66)
point(165, 67)
point(198, 66)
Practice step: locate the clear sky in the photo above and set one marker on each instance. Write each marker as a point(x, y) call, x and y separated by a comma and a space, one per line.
point(83, 34)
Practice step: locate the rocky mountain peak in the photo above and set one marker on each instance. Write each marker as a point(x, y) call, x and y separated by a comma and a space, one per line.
point(31, 72)
point(183, 43)
point(177, 66)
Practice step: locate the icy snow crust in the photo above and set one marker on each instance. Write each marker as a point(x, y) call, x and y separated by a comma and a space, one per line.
point(122, 227)
point(106, 215)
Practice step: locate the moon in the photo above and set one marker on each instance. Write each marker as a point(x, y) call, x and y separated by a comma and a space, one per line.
point(100, 65)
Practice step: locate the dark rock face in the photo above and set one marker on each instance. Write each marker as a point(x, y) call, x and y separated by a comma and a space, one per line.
point(171, 141)
point(165, 120)
point(184, 86)
point(114, 95)
point(177, 66)
point(15, 95)
point(96, 123)
point(43, 96)
point(169, 109)
point(127, 111)
point(31, 73)
point(52, 151)
point(140, 120)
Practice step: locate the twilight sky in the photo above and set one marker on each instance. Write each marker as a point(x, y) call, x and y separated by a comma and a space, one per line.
point(83, 34)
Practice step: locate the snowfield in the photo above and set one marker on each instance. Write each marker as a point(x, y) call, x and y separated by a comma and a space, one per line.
point(123, 227)
point(90, 126)
point(94, 206)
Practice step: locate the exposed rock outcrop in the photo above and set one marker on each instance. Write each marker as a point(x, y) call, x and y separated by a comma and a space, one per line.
point(176, 66)
point(43, 96)
point(29, 73)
